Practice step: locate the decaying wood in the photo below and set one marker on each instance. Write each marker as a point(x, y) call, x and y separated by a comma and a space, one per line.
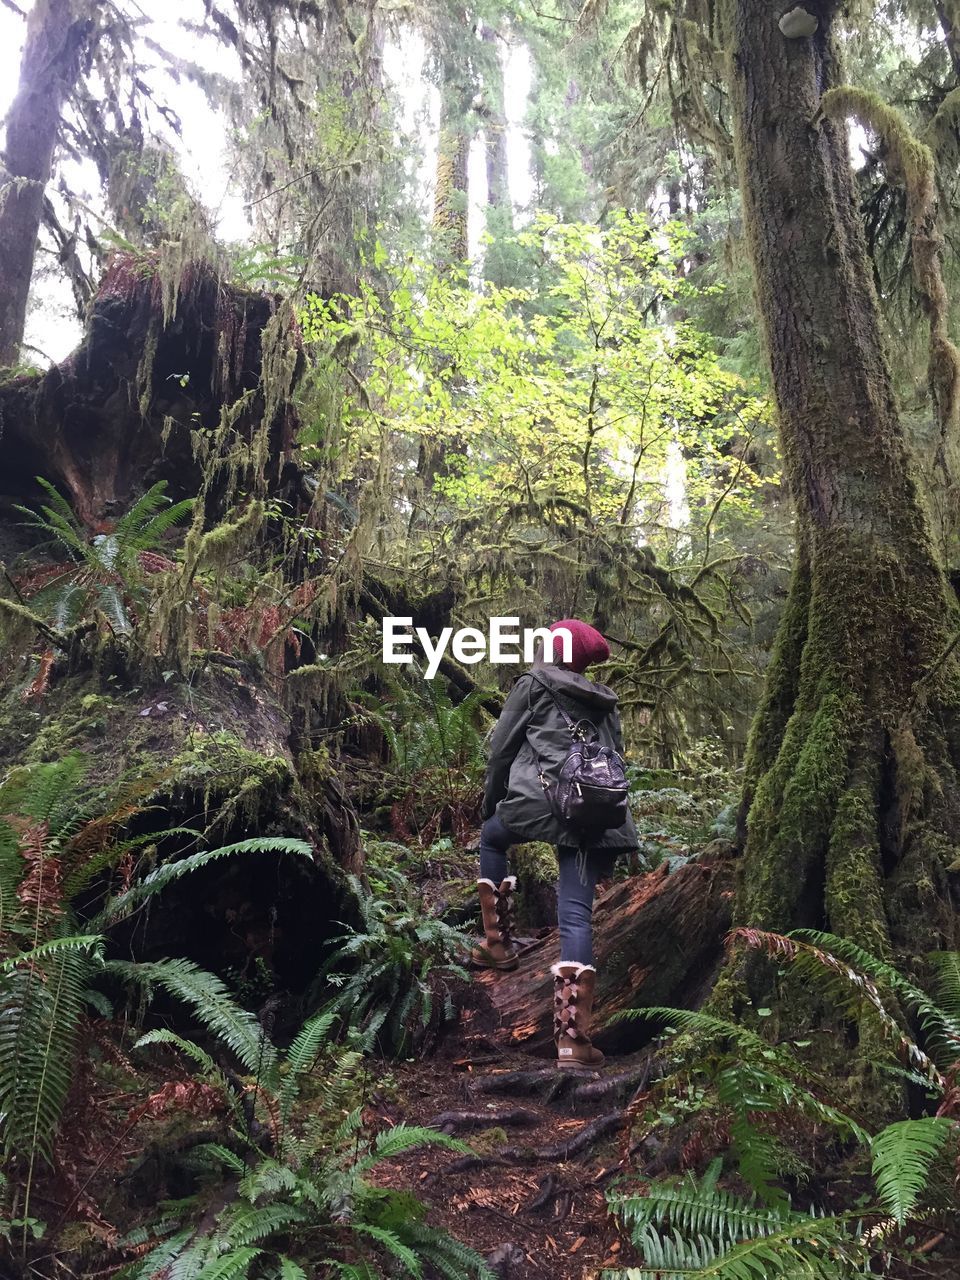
point(657, 939)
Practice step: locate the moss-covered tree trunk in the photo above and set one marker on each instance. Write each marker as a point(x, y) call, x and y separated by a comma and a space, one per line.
point(851, 807)
point(451, 190)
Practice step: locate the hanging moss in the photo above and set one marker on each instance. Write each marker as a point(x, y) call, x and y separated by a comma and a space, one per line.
point(910, 162)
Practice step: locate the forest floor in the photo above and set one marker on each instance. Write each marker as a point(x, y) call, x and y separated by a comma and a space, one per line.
point(547, 1144)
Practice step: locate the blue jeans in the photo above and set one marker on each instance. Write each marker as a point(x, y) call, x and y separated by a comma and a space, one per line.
point(574, 892)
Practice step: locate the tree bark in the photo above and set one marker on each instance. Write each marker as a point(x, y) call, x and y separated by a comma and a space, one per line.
point(451, 191)
point(851, 810)
point(657, 940)
point(57, 33)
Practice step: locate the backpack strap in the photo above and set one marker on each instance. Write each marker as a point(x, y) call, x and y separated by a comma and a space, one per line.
point(572, 725)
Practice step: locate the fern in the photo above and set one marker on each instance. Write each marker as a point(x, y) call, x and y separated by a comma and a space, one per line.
point(453, 1260)
point(700, 1210)
point(353, 1270)
point(751, 1078)
point(232, 1267)
point(211, 1002)
point(290, 1270)
point(301, 1056)
point(248, 1224)
point(163, 1036)
point(223, 1155)
point(125, 902)
point(104, 571)
point(946, 985)
point(848, 977)
point(401, 1137)
point(397, 957)
point(90, 945)
point(902, 1156)
point(691, 1230)
point(391, 1243)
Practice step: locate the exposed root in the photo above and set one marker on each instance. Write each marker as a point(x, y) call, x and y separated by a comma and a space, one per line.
point(547, 1083)
point(626, 1082)
point(465, 1121)
point(560, 1152)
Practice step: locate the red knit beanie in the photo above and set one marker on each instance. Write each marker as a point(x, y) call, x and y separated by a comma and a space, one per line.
point(588, 644)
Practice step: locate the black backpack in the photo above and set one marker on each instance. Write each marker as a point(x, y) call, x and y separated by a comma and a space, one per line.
point(590, 795)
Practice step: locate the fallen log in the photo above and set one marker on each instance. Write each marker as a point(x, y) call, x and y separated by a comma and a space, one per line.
point(658, 939)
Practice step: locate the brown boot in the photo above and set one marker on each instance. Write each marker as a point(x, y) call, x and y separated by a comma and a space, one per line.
point(573, 991)
point(499, 951)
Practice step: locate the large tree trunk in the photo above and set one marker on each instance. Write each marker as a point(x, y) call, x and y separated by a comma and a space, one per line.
point(851, 807)
point(657, 941)
point(56, 35)
point(499, 214)
point(451, 190)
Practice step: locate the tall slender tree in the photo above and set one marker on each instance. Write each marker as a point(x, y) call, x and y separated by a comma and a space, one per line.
point(58, 36)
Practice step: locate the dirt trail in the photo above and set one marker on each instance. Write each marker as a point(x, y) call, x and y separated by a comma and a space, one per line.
point(547, 1144)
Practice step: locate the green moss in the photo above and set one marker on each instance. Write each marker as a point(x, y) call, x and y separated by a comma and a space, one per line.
point(908, 158)
point(780, 687)
point(239, 781)
point(792, 815)
point(490, 1141)
point(535, 861)
point(853, 893)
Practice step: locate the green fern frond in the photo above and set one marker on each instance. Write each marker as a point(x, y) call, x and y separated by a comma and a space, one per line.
point(855, 971)
point(170, 871)
point(290, 1270)
point(391, 1243)
point(90, 945)
point(223, 1155)
point(816, 1249)
point(695, 1020)
point(267, 1179)
point(158, 1260)
point(39, 1020)
point(162, 1036)
point(445, 1254)
point(354, 1270)
point(701, 1211)
point(211, 1002)
point(401, 1137)
point(946, 967)
point(249, 1224)
point(301, 1055)
point(902, 1156)
point(234, 1266)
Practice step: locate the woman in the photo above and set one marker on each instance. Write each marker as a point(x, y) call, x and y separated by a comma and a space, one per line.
point(531, 739)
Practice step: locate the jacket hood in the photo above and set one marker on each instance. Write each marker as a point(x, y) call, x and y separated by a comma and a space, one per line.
point(571, 684)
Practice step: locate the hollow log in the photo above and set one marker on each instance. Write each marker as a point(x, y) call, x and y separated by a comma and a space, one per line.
point(658, 939)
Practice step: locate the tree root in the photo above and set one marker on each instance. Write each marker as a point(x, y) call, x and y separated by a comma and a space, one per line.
point(626, 1082)
point(560, 1152)
point(547, 1083)
point(464, 1121)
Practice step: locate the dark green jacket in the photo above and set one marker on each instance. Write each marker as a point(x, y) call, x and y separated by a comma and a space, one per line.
point(531, 728)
